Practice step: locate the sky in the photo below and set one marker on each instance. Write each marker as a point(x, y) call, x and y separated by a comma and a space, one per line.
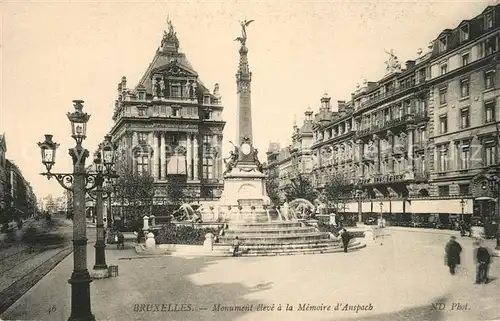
point(53, 52)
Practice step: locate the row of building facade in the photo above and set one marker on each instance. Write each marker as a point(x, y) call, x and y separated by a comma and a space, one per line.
point(417, 140)
point(16, 193)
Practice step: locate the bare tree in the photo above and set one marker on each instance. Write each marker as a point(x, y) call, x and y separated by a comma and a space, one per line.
point(135, 190)
point(336, 188)
point(272, 186)
point(175, 193)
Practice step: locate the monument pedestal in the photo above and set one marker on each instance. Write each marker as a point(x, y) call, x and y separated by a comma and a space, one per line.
point(244, 195)
point(245, 186)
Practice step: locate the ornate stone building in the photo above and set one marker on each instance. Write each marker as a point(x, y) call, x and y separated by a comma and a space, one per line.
point(295, 159)
point(417, 140)
point(170, 124)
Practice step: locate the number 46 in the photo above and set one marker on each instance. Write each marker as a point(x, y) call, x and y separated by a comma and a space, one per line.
point(51, 309)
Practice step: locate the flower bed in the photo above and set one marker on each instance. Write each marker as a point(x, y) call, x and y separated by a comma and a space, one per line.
point(172, 234)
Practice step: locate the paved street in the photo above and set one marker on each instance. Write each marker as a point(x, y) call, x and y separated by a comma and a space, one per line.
point(399, 280)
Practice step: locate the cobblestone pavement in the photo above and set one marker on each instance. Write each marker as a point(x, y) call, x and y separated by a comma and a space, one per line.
point(403, 279)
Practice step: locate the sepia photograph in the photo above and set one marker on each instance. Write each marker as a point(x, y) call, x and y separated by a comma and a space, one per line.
point(186, 160)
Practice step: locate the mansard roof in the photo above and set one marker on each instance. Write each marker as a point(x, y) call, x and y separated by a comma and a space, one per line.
point(168, 59)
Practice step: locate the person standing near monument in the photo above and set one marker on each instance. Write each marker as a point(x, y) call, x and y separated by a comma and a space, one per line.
point(236, 246)
point(346, 238)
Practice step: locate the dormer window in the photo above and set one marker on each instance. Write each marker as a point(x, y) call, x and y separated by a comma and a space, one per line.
point(488, 21)
point(464, 32)
point(443, 44)
point(206, 99)
point(465, 58)
point(141, 95)
point(444, 68)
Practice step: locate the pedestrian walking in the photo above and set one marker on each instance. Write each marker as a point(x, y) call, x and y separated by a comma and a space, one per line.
point(236, 246)
point(346, 238)
point(482, 256)
point(462, 228)
point(453, 251)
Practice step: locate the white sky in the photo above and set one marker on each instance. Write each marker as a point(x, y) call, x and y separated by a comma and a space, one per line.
point(54, 52)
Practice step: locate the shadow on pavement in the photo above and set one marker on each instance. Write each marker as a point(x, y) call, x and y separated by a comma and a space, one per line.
point(162, 289)
point(420, 313)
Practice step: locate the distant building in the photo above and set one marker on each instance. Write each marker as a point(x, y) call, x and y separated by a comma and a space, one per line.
point(295, 159)
point(19, 195)
point(170, 125)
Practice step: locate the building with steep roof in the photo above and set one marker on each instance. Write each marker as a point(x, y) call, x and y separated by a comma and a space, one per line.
point(170, 125)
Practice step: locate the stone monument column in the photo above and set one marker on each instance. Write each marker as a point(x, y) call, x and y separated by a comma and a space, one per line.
point(163, 166)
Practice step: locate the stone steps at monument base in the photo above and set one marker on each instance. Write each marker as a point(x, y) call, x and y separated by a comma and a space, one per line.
point(297, 230)
point(259, 245)
point(265, 225)
point(274, 238)
point(332, 248)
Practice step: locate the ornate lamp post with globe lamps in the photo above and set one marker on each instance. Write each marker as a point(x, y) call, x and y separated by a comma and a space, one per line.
point(79, 182)
point(103, 161)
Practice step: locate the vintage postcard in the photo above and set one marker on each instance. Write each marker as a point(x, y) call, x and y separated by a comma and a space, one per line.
point(250, 160)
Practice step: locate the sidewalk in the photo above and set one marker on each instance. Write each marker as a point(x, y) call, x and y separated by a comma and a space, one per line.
point(40, 303)
point(401, 279)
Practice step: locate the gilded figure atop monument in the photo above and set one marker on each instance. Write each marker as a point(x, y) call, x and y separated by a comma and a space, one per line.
point(244, 24)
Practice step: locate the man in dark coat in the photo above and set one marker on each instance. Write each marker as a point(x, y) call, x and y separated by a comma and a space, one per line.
point(482, 257)
point(346, 237)
point(236, 246)
point(453, 250)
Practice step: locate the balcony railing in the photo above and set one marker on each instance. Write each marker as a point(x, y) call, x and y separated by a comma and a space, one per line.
point(395, 122)
point(386, 95)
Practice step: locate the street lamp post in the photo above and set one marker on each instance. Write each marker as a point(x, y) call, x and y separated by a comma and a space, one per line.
point(462, 204)
point(100, 267)
point(381, 209)
point(107, 150)
point(79, 182)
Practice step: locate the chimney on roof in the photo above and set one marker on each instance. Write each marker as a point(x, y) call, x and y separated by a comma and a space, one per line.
point(340, 105)
point(410, 64)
